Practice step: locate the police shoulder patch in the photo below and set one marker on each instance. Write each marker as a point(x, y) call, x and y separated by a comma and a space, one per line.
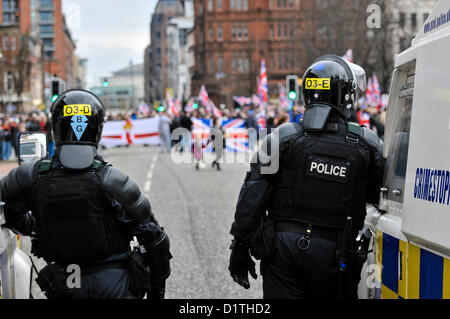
point(328, 169)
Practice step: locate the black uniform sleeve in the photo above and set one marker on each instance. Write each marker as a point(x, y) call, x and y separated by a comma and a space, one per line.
point(15, 193)
point(377, 166)
point(258, 185)
point(147, 229)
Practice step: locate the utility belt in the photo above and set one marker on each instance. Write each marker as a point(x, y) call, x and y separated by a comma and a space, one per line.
point(327, 233)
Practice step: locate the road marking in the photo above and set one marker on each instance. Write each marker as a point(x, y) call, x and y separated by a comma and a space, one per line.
point(148, 183)
point(147, 186)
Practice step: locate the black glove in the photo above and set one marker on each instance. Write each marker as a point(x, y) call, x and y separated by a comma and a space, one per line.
point(241, 263)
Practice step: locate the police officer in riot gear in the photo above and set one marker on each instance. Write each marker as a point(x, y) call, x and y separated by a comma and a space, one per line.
point(81, 211)
point(294, 218)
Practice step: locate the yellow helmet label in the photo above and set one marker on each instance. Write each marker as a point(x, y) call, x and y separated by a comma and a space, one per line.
point(77, 109)
point(317, 84)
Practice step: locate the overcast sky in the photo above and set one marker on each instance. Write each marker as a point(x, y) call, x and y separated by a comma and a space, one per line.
point(109, 33)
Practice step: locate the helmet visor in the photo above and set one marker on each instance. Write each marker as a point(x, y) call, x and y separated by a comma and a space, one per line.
point(359, 75)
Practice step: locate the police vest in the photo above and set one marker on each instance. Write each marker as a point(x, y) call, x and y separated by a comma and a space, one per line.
point(323, 178)
point(76, 223)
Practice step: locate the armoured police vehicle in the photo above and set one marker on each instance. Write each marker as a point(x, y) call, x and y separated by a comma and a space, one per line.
point(411, 227)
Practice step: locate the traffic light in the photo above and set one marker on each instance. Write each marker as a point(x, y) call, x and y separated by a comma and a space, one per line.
point(105, 83)
point(195, 106)
point(55, 90)
point(160, 108)
point(292, 87)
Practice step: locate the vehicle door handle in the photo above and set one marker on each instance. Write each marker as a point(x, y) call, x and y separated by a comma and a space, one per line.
point(397, 192)
point(384, 189)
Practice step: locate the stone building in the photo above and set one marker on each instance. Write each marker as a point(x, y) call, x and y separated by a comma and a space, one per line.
point(156, 60)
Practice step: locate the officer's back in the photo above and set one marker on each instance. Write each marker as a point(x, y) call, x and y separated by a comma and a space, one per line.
point(328, 170)
point(84, 212)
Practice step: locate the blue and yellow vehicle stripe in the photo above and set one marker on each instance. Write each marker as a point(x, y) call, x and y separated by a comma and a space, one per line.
point(408, 271)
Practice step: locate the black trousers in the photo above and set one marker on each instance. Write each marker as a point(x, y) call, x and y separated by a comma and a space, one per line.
point(293, 273)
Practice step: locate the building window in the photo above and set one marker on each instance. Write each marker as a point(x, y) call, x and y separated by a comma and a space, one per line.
point(219, 5)
point(45, 4)
point(291, 3)
point(280, 61)
point(5, 43)
point(233, 62)
point(9, 81)
point(13, 42)
point(414, 20)
point(211, 33)
point(245, 33)
point(239, 32)
point(402, 20)
point(183, 37)
point(292, 30)
point(245, 4)
point(46, 16)
point(279, 29)
point(211, 64)
point(403, 44)
point(425, 16)
point(46, 29)
point(271, 31)
point(285, 30)
point(220, 63)
point(219, 32)
point(278, 3)
point(210, 5)
point(232, 4)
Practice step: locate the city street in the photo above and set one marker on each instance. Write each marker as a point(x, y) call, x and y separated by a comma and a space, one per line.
point(196, 208)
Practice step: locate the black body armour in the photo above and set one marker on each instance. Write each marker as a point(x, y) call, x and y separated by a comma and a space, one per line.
point(76, 221)
point(323, 177)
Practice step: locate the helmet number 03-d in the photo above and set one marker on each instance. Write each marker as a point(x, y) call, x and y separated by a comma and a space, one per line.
point(79, 115)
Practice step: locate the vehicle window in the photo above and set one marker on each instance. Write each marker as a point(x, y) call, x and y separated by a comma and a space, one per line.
point(397, 160)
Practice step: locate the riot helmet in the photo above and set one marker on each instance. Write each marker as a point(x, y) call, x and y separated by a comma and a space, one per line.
point(77, 117)
point(335, 82)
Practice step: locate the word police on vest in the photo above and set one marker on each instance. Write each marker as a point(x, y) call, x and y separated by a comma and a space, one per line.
point(328, 169)
point(334, 170)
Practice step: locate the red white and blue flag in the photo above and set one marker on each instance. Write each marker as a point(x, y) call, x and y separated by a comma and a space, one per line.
point(369, 93)
point(348, 55)
point(144, 109)
point(236, 136)
point(283, 98)
point(189, 106)
point(376, 91)
point(263, 87)
point(242, 100)
point(214, 110)
point(203, 96)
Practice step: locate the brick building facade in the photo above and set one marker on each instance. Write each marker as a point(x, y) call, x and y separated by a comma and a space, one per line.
point(233, 36)
point(25, 27)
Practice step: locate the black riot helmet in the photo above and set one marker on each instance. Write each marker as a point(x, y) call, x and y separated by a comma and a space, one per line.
point(77, 117)
point(332, 81)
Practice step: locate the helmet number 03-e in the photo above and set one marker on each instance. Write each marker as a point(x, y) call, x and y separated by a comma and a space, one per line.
point(332, 81)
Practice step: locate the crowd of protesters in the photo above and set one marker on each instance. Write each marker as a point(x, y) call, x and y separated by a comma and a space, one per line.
point(14, 124)
point(274, 116)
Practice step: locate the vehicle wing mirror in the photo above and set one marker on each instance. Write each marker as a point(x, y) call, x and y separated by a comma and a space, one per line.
point(32, 146)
